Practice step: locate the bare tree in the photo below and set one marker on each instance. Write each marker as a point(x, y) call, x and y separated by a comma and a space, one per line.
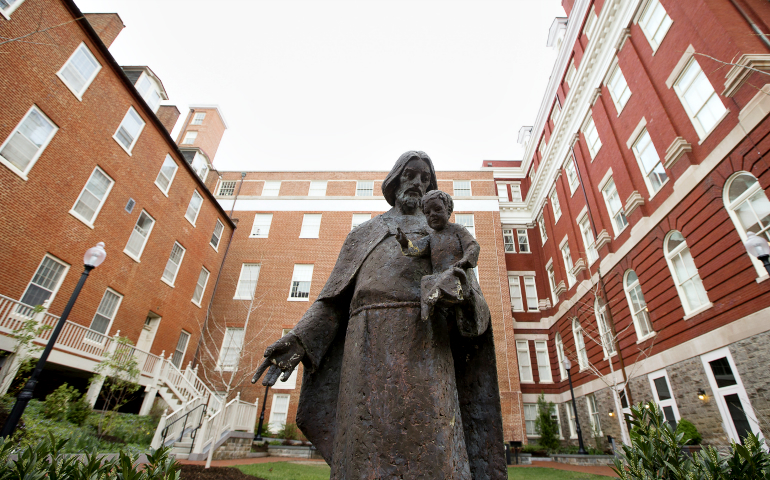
point(33, 37)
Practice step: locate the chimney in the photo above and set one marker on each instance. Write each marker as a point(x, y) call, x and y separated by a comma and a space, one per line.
point(107, 26)
point(203, 128)
point(168, 115)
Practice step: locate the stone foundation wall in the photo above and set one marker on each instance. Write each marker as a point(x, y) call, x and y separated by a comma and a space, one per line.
point(233, 448)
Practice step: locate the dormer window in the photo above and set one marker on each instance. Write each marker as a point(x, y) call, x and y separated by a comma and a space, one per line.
point(200, 165)
point(149, 92)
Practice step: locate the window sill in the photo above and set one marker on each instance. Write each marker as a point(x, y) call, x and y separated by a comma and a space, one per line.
point(132, 257)
point(197, 304)
point(15, 170)
point(594, 154)
point(655, 192)
point(161, 190)
point(618, 107)
point(550, 382)
point(87, 224)
point(697, 311)
point(257, 236)
point(645, 338)
point(127, 150)
point(531, 382)
point(241, 298)
point(716, 125)
point(618, 233)
point(293, 299)
point(309, 237)
point(216, 249)
point(191, 221)
point(77, 95)
point(167, 282)
point(762, 278)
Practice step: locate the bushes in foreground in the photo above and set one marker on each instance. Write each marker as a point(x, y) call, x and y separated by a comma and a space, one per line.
point(656, 453)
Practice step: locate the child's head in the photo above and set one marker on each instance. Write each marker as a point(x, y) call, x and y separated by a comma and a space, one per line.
point(437, 207)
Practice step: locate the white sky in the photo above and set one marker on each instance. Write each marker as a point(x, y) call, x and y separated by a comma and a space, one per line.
point(348, 85)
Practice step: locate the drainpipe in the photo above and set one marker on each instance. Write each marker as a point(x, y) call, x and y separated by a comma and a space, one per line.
point(751, 23)
point(219, 274)
point(607, 310)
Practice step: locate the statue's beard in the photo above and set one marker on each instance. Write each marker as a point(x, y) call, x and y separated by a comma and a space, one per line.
point(410, 202)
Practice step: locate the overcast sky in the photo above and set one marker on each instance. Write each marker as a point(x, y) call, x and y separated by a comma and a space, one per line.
point(348, 85)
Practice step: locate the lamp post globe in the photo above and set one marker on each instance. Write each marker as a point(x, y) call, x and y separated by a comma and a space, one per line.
point(567, 366)
point(758, 248)
point(93, 257)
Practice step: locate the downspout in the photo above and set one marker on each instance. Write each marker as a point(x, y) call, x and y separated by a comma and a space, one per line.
point(219, 273)
point(753, 25)
point(607, 310)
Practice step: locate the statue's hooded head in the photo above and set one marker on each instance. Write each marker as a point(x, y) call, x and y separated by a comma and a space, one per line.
point(391, 183)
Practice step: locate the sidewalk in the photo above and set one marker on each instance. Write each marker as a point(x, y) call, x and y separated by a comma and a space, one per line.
point(598, 470)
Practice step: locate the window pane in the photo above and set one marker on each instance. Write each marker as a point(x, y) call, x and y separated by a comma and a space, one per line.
point(194, 207)
point(661, 385)
point(261, 227)
point(169, 273)
point(45, 280)
point(139, 235)
point(27, 140)
point(92, 196)
point(723, 374)
point(166, 174)
point(738, 415)
point(200, 286)
point(217, 234)
point(364, 188)
point(247, 283)
point(739, 185)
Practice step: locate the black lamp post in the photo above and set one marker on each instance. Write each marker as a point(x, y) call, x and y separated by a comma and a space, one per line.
point(759, 248)
point(262, 416)
point(93, 258)
point(581, 449)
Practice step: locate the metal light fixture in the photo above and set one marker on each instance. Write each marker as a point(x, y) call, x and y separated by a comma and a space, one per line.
point(612, 413)
point(759, 248)
point(702, 394)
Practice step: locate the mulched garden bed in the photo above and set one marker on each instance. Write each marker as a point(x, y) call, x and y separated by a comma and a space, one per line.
point(198, 472)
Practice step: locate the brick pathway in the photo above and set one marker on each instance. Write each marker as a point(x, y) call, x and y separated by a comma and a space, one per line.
point(598, 470)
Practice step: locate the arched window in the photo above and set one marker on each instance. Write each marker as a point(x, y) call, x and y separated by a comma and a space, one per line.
point(560, 355)
point(637, 305)
point(749, 208)
point(580, 345)
point(686, 278)
point(605, 332)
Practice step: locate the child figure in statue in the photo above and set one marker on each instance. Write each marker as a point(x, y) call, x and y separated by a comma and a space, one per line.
point(450, 247)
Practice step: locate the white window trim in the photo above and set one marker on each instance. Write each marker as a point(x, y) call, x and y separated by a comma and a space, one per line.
point(179, 266)
point(101, 204)
point(59, 283)
point(593, 414)
point(689, 313)
point(571, 423)
point(582, 362)
point(187, 134)
point(571, 162)
point(359, 185)
point(587, 123)
point(615, 67)
point(106, 333)
point(514, 240)
point(605, 182)
point(303, 233)
point(526, 236)
point(137, 258)
point(170, 180)
point(79, 95)
point(353, 220)
point(559, 343)
point(647, 181)
point(221, 184)
point(516, 187)
point(738, 389)
point(310, 187)
point(11, 166)
point(195, 121)
point(230, 368)
point(702, 134)
point(542, 228)
point(454, 188)
point(11, 8)
point(601, 319)
point(626, 289)
point(730, 207)
point(252, 235)
point(216, 248)
point(288, 402)
point(264, 185)
point(138, 133)
point(547, 365)
point(301, 299)
point(555, 203)
point(521, 346)
point(534, 285)
point(198, 212)
point(664, 403)
point(515, 279)
point(203, 292)
point(186, 345)
point(638, 18)
point(240, 277)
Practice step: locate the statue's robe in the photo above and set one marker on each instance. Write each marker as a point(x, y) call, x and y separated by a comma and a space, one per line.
point(389, 410)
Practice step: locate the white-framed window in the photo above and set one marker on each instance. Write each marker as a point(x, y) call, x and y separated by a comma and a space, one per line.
point(200, 165)
point(649, 162)
point(531, 291)
point(172, 265)
point(588, 239)
point(462, 188)
point(580, 344)
point(560, 356)
point(227, 188)
point(181, 348)
point(300, 282)
point(279, 410)
point(541, 147)
point(79, 70)
point(514, 285)
point(516, 192)
point(568, 265)
point(569, 77)
point(614, 206)
point(521, 236)
point(593, 415)
point(271, 188)
point(194, 207)
point(605, 332)
point(216, 235)
point(166, 174)
point(129, 129)
point(555, 112)
point(738, 416)
point(466, 220)
point(8, 6)
point(317, 188)
point(92, 197)
point(149, 92)
point(198, 118)
point(247, 282)
point(27, 142)
point(592, 137)
point(311, 225)
point(637, 305)
point(699, 99)
point(261, 227)
point(200, 286)
point(230, 353)
point(530, 416)
point(685, 274)
point(189, 137)
point(555, 417)
point(555, 205)
point(139, 235)
point(591, 22)
point(45, 282)
point(364, 188)
point(664, 397)
point(543, 362)
point(509, 244)
point(525, 364)
point(749, 209)
point(655, 23)
point(618, 88)
point(572, 176)
point(359, 218)
point(502, 191)
point(552, 281)
point(571, 420)
point(541, 225)
point(105, 313)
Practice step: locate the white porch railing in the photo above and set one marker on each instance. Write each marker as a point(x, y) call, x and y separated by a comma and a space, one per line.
point(236, 415)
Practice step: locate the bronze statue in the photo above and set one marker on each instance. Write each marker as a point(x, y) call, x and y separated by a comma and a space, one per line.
point(386, 394)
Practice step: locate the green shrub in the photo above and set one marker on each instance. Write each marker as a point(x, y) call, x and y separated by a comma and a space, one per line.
point(58, 402)
point(79, 411)
point(691, 434)
point(288, 432)
point(546, 425)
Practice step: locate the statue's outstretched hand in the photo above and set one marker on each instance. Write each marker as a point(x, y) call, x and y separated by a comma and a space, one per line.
point(282, 357)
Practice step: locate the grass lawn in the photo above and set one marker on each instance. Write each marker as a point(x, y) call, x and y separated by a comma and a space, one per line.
point(291, 471)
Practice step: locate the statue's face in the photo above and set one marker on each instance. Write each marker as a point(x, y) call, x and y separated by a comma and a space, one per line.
point(413, 184)
point(435, 213)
